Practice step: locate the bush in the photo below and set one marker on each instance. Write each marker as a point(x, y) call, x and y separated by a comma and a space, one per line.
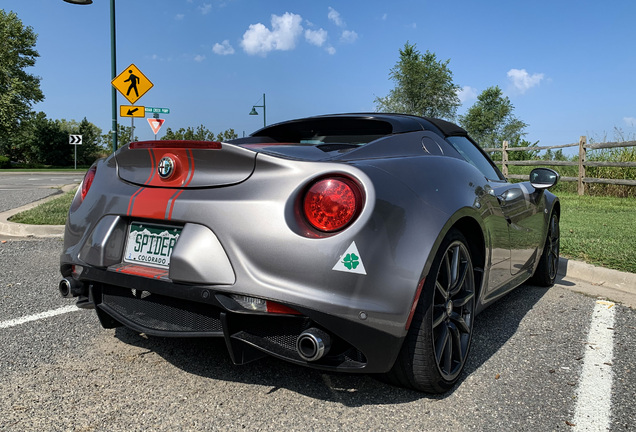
point(4, 162)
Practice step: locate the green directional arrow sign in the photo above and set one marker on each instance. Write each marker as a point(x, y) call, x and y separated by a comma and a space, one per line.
point(154, 110)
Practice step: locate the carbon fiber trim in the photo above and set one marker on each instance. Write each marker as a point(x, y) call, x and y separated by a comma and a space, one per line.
point(155, 313)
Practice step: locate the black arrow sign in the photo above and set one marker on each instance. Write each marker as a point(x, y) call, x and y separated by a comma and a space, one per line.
point(75, 139)
point(132, 111)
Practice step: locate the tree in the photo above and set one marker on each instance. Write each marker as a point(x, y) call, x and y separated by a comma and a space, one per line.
point(201, 133)
point(18, 89)
point(49, 144)
point(91, 148)
point(226, 135)
point(423, 86)
point(558, 155)
point(124, 136)
point(20, 145)
point(490, 122)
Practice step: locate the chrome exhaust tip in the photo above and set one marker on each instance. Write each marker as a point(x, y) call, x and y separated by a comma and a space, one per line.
point(70, 288)
point(313, 344)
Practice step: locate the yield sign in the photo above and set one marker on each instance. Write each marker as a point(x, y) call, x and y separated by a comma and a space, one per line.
point(155, 124)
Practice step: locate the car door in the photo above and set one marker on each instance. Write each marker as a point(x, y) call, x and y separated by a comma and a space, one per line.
point(493, 213)
point(519, 204)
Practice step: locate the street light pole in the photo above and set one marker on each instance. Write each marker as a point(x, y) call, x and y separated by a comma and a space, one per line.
point(113, 65)
point(254, 112)
point(113, 73)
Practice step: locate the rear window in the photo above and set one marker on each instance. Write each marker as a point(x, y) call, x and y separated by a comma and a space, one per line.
point(342, 130)
point(340, 139)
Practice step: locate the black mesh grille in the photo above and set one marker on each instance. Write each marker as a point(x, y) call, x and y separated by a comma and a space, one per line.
point(286, 341)
point(280, 332)
point(155, 312)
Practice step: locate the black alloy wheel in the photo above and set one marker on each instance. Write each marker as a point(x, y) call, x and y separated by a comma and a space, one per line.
point(548, 267)
point(453, 310)
point(553, 247)
point(436, 346)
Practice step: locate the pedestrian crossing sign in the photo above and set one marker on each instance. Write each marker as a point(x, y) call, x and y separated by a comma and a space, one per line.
point(132, 83)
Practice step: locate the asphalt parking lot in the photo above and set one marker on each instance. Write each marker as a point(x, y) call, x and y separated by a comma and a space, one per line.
point(529, 369)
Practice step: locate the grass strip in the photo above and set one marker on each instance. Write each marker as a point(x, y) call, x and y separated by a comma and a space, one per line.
point(599, 230)
point(53, 212)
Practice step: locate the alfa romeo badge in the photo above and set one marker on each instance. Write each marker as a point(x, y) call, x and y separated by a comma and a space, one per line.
point(166, 167)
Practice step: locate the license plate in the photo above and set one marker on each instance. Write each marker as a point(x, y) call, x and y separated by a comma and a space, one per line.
point(150, 244)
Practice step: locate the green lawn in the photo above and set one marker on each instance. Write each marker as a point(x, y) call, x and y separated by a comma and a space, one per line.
point(597, 230)
point(53, 212)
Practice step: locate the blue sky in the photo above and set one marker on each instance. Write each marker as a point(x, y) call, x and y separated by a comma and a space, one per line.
point(567, 66)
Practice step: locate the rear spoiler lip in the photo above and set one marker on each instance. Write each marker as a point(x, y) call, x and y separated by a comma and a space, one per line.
point(174, 144)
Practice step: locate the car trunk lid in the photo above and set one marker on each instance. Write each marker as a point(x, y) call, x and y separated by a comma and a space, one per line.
point(184, 164)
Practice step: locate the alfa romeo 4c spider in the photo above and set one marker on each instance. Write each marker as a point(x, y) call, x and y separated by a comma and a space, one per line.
point(351, 242)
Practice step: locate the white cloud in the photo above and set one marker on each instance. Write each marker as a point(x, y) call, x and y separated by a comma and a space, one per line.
point(179, 17)
point(156, 57)
point(199, 58)
point(467, 93)
point(349, 36)
point(205, 9)
point(285, 31)
point(223, 48)
point(330, 50)
point(334, 16)
point(523, 81)
point(384, 17)
point(630, 121)
point(316, 37)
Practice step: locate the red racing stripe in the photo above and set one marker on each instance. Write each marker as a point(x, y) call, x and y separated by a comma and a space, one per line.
point(187, 182)
point(157, 198)
point(152, 203)
point(153, 170)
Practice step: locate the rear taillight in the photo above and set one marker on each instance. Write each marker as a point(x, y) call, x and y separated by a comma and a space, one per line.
point(332, 203)
point(88, 181)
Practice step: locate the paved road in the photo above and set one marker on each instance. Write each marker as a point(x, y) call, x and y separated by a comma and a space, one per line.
point(64, 372)
point(18, 189)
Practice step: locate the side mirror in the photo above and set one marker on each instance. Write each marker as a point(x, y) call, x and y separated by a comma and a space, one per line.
point(543, 178)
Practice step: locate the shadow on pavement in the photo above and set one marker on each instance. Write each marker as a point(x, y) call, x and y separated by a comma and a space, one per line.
point(208, 358)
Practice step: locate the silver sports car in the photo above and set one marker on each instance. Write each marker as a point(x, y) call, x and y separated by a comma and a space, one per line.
point(350, 242)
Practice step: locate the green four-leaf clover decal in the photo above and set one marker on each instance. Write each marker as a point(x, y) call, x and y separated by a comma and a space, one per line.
point(351, 261)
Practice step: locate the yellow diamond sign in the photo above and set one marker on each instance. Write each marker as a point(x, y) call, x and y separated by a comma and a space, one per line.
point(132, 83)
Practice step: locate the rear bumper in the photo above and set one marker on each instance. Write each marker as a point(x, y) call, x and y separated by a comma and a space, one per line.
point(163, 308)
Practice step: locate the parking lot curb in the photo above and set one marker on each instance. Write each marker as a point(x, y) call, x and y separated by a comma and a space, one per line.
point(605, 283)
point(14, 229)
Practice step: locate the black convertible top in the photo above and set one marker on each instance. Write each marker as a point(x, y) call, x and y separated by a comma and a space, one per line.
point(356, 124)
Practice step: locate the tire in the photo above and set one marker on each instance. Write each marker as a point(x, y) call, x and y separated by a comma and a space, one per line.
point(436, 346)
point(546, 272)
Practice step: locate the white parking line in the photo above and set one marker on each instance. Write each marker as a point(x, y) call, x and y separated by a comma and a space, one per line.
point(594, 397)
point(39, 316)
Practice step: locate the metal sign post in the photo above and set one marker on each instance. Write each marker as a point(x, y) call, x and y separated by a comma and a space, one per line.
point(75, 140)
